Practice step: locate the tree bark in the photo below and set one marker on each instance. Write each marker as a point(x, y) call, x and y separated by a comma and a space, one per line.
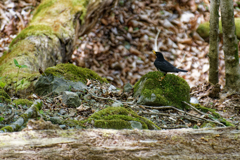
point(50, 37)
point(181, 144)
point(230, 46)
point(214, 41)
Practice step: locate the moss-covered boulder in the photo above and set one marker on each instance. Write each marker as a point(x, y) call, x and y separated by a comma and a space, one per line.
point(65, 77)
point(203, 29)
point(171, 91)
point(119, 118)
point(73, 73)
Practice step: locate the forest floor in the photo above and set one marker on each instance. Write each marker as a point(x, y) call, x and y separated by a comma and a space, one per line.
point(120, 46)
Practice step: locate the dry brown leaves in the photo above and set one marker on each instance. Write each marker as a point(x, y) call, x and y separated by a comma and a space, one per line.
point(119, 47)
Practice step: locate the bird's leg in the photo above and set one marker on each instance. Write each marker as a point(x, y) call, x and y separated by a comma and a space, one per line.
point(163, 77)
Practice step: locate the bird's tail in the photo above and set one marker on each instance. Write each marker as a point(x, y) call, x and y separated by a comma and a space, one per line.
point(181, 70)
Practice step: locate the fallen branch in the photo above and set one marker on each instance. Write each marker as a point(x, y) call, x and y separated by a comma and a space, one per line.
point(213, 120)
point(171, 107)
point(32, 112)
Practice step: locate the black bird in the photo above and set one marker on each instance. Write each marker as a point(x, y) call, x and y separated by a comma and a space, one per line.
point(164, 66)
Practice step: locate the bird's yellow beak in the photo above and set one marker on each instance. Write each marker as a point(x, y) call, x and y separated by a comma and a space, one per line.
point(154, 52)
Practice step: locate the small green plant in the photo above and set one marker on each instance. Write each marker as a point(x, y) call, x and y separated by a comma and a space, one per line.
point(39, 105)
point(121, 2)
point(135, 29)
point(1, 118)
point(126, 28)
point(69, 88)
point(19, 67)
point(41, 112)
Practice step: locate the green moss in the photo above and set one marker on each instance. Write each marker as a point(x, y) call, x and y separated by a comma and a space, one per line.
point(73, 73)
point(118, 118)
point(23, 102)
point(204, 28)
point(25, 85)
point(205, 109)
point(4, 94)
point(7, 129)
point(43, 7)
point(208, 125)
point(4, 97)
point(113, 124)
point(172, 90)
point(224, 121)
point(237, 25)
point(32, 30)
point(214, 113)
point(51, 8)
point(22, 49)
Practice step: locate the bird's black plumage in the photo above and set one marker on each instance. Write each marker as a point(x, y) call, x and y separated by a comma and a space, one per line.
point(164, 66)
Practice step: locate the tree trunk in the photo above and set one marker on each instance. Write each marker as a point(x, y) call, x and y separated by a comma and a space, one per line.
point(214, 41)
point(230, 46)
point(50, 37)
point(181, 144)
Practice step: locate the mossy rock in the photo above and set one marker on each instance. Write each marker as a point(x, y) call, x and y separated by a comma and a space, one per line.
point(171, 91)
point(4, 97)
point(65, 77)
point(23, 102)
point(204, 28)
point(119, 118)
point(73, 73)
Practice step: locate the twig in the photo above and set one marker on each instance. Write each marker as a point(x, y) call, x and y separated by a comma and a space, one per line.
point(181, 61)
point(164, 107)
point(47, 95)
point(168, 107)
point(162, 114)
point(178, 126)
point(213, 120)
point(92, 94)
point(132, 102)
point(193, 108)
point(155, 48)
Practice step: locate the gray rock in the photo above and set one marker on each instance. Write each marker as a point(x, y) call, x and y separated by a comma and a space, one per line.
point(127, 88)
point(71, 99)
point(47, 84)
point(148, 101)
point(112, 88)
point(63, 126)
point(62, 111)
point(117, 104)
point(194, 100)
point(135, 124)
